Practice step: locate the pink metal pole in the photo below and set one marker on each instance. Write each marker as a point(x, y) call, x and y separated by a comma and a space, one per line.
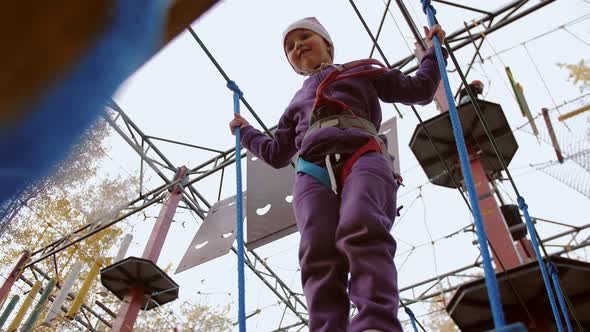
point(135, 297)
point(129, 310)
point(502, 244)
point(14, 275)
point(499, 236)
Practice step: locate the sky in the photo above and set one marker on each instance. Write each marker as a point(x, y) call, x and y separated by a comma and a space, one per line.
point(180, 95)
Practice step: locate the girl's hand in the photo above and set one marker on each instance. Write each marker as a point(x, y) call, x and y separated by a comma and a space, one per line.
point(436, 30)
point(238, 121)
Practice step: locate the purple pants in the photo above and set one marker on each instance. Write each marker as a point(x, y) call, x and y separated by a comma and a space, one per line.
point(349, 234)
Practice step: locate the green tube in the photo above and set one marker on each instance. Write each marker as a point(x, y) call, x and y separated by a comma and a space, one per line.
point(28, 326)
point(515, 90)
point(20, 314)
point(9, 309)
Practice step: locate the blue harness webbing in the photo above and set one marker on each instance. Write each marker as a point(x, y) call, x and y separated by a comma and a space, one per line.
point(317, 172)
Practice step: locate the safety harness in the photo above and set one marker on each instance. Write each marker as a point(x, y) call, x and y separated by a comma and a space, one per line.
point(330, 112)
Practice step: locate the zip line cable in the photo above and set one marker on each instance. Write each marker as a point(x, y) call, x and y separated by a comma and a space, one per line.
point(540, 76)
point(426, 131)
point(551, 109)
point(429, 136)
point(575, 36)
point(380, 27)
point(400, 32)
point(439, 155)
point(572, 22)
point(222, 72)
point(521, 202)
point(490, 276)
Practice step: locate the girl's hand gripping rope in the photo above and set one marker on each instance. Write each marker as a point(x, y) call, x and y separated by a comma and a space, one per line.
point(238, 121)
point(436, 30)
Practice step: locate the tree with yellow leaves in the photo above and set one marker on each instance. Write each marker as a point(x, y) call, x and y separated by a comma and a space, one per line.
point(73, 197)
point(578, 74)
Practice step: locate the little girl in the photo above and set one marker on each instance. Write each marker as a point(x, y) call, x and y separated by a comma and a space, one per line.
point(344, 197)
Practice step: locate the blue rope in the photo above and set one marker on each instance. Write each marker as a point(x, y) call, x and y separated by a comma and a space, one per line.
point(560, 297)
point(412, 318)
point(239, 215)
point(490, 275)
point(535, 241)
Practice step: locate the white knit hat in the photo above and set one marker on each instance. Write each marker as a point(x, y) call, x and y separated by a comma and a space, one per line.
point(312, 24)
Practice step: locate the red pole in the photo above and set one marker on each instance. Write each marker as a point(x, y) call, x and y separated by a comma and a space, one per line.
point(135, 297)
point(503, 247)
point(501, 242)
point(552, 134)
point(14, 275)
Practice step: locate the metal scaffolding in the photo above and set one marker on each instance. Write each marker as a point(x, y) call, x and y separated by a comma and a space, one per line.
point(192, 199)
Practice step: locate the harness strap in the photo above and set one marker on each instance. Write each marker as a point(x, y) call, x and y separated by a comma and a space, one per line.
point(326, 175)
point(372, 146)
point(343, 121)
point(317, 172)
point(338, 75)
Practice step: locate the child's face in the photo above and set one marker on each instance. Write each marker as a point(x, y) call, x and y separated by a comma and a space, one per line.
point(306, 50)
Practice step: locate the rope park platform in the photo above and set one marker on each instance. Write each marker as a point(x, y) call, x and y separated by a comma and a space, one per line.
point(523, 297)
point(157, 287)
point(268, 208)
point(441, 131)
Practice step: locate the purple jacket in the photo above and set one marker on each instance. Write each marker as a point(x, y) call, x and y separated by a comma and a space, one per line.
point(361, 93)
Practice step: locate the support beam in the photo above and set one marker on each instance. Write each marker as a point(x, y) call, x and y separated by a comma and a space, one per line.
point(515, 14)
point(449, 3)
point(135, 297)
point(63, 294)
point(13, 276)
point(554, 141)
point(411, 24)
point(505, 253)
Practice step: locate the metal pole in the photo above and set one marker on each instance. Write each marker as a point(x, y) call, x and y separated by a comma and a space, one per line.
point(63, 293)
point(135, 298)
point(498, 233)
point(411, 24)
point(9, 308)
point(30, 322)
point(85, 288)
point(25, 307)
point(14, 275)
point(125, 243)
point(554, 141)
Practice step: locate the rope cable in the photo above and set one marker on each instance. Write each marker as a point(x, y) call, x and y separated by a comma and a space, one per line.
point(421, 122)
point(541, 77)
point(222, 72)
point(413, 319)
point(576, 37)
point(380, 27)
point(426, 131)
point(520, 200)
point(572, 22)
point(491, 282)
point(239, 214)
